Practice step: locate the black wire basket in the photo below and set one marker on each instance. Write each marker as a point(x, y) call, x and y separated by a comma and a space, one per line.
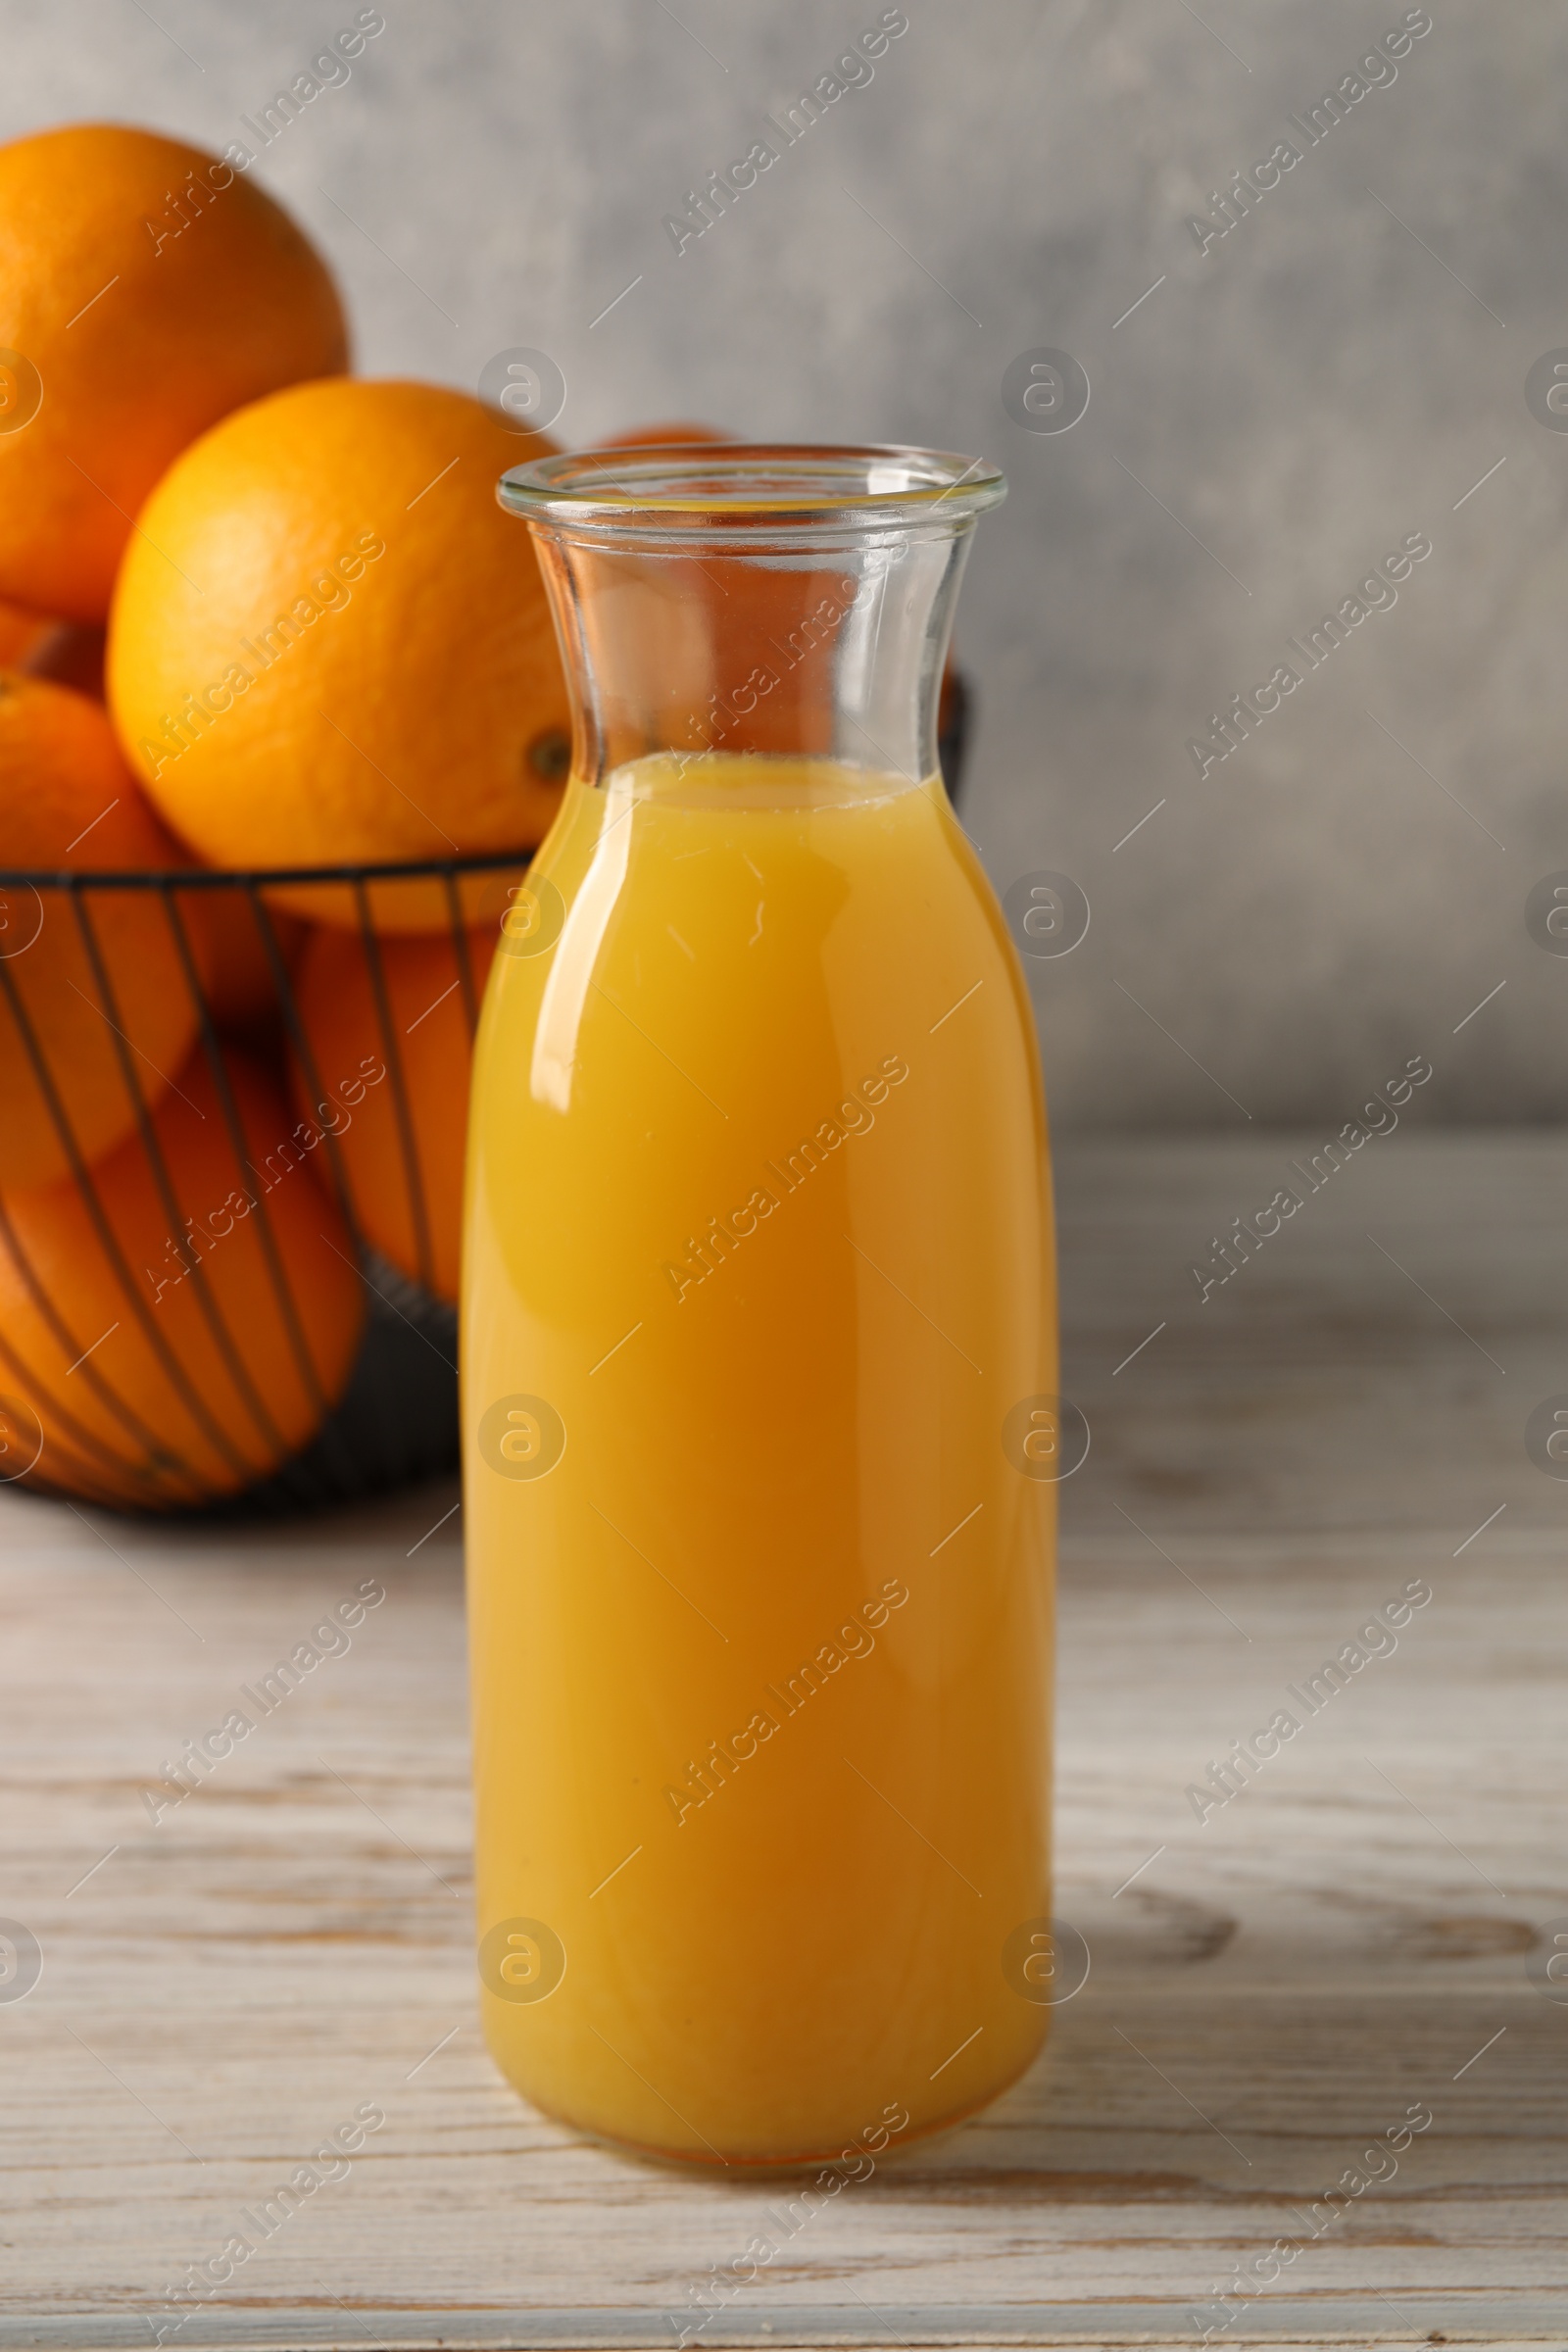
point(232, 1402)
point(243, 1380)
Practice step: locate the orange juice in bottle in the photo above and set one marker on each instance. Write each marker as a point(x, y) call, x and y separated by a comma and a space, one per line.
point(758, 1343)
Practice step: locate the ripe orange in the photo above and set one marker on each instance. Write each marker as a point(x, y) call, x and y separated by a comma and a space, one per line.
point(146, 289)
point(400, 1147)
point(170, 1367)
point(329, 644)
point(100, 1037)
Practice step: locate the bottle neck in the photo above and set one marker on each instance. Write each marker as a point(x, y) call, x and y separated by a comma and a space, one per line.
point(828, 651)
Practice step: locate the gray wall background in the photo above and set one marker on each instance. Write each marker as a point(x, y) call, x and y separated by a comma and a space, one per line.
point(1334, 374)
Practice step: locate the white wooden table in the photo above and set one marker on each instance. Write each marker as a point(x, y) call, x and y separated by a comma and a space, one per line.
point(1363, 1932)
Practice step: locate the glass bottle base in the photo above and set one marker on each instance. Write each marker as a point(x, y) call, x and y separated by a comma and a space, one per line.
point(782, 2166)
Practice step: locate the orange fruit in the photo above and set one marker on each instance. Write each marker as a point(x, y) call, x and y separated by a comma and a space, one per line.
point(174, 1367)
point(401, 1143)
point(19, 630)
point(146, 288)
point(104, 1038)
point(329, 645)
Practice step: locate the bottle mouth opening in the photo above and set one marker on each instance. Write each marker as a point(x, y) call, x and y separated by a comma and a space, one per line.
point(698, 488)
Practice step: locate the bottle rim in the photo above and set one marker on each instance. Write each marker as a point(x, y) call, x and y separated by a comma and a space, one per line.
point(693, 488)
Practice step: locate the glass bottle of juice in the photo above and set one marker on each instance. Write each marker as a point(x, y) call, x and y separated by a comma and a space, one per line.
point(758, 1342)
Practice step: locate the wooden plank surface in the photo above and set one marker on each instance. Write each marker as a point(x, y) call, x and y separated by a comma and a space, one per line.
point(1360, 1933)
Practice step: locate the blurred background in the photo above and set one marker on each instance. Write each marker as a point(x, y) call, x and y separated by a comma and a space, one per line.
point(1272, 411)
